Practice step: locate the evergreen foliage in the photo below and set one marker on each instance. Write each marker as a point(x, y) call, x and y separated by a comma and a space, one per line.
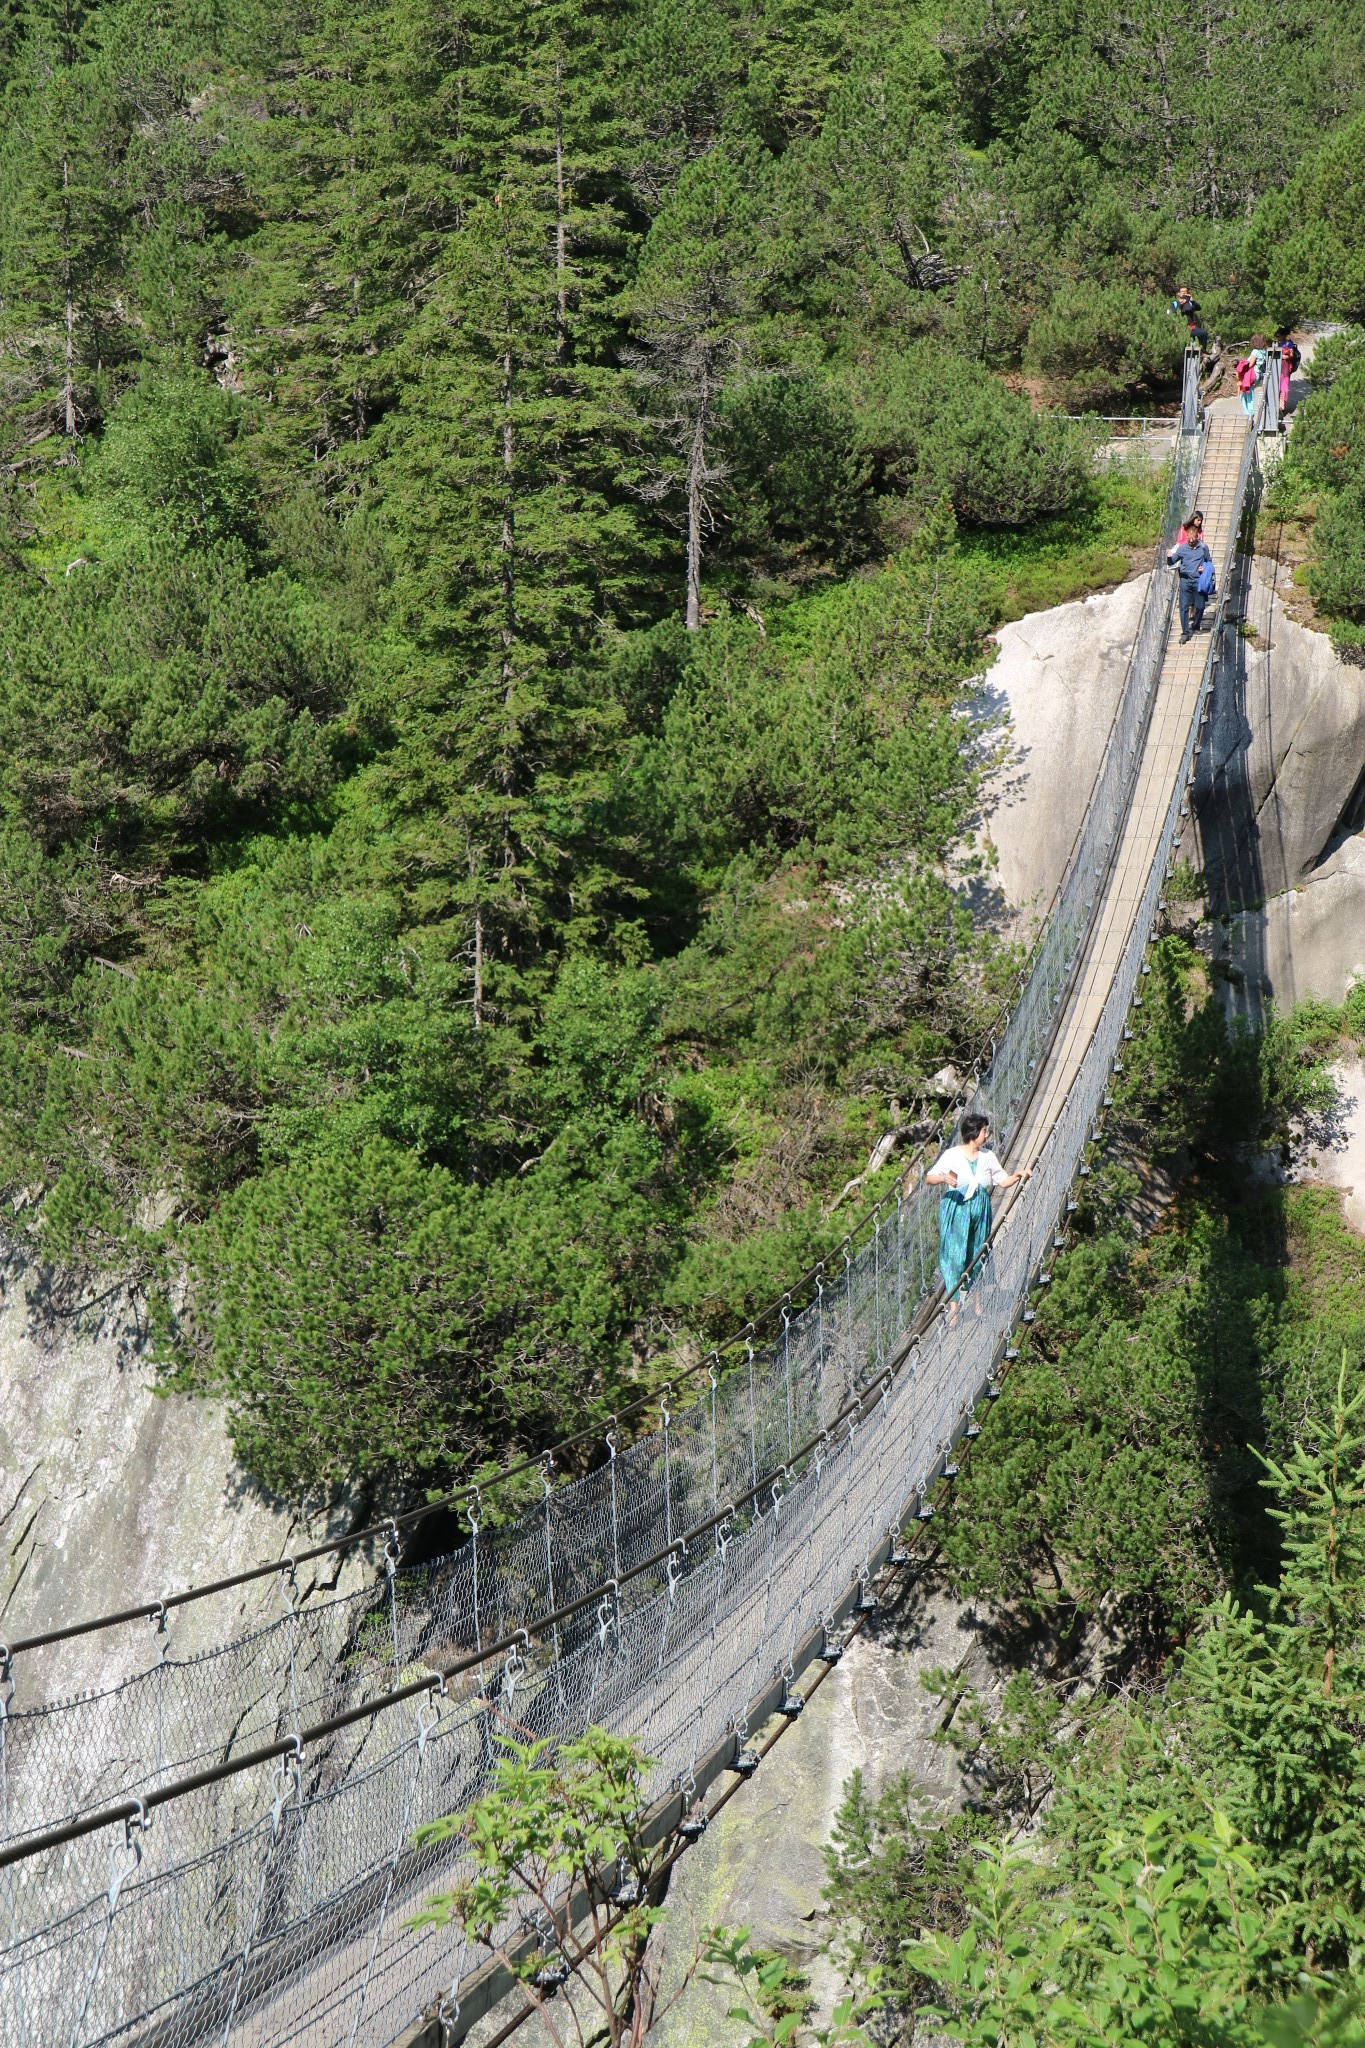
point(498, 517)
point(1167, 1847)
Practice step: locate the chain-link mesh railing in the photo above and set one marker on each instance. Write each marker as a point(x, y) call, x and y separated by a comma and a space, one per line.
point(319, 1656)
point(269, 1905)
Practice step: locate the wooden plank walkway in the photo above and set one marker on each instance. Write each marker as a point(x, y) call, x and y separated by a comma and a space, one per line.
point(1176, 698)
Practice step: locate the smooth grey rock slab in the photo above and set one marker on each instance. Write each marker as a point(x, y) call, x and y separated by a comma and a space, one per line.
point(1055, 683)
point(112, 1495)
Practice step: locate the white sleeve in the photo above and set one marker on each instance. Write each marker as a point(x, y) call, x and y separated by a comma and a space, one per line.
point(951, 1162)
point(994, 1172)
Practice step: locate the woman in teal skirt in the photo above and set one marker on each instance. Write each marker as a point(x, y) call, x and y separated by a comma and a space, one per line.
point(967, 1173)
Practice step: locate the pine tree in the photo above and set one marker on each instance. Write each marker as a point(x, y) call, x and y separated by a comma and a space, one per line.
point(692, 305)
point(60, 221)
point(375, 132)
point(522, 542)
point(1287, 1684)
point(861, 205)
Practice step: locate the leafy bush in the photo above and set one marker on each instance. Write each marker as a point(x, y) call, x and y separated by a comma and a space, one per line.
point(1332, 354)
point(1099, 344)
point(1336, 576)
point(169, 466)
point(936, 427)
point(1304, 245)
point(797, 476)
point(367, 1315)
point(1327, 453)
point(1327, 449)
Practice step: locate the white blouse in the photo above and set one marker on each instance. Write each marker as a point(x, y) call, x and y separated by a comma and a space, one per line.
point(985, 1171)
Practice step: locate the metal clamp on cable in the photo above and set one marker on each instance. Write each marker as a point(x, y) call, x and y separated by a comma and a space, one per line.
point(448, 2014)
point(514, 1668)
point(694, 1820)
point(160, 1627)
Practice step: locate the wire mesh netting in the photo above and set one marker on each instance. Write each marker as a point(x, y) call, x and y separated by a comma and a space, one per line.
point(271, 1906)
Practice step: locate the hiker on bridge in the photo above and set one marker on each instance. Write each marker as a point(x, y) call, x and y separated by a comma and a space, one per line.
point(1250, 372)
point(1290, 358)
point(1188, 309)
point(967, 1173)
point(1193, 562)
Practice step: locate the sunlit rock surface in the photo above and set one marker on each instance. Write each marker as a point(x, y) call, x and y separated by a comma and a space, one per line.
point(111, 1495)
point(1332, 1153)
point(1054, 685)
point(1280, 806)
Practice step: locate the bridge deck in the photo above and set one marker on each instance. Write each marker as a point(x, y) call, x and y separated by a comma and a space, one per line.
point(1177, 694)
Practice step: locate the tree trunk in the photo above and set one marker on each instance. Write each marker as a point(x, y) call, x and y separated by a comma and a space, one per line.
point(696, 515)
point(507, 547)
point(561, 225)
point(68, 292)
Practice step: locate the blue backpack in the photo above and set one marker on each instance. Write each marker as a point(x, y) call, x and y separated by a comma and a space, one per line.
point(1205, 582)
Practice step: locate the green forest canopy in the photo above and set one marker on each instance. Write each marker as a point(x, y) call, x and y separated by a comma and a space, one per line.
point(442, 973)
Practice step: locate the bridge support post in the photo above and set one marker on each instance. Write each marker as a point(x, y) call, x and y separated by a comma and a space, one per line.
point(1191, 408)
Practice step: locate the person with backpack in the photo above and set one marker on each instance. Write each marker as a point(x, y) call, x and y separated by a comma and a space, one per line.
point(1250, 370)
point(1194, 565)
point(1290, 358)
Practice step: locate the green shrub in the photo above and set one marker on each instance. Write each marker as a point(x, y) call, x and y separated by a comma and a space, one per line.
point(1101, 343)
point(1304, 244)
point(797, 476)
point(1327, 455)
point(1336, 577)
point(1333, 354)
point(937, 426)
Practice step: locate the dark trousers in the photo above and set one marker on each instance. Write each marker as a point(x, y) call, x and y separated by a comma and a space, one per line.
point(1191, 607)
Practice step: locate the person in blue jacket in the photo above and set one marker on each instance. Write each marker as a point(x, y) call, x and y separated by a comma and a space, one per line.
point(1194, 565)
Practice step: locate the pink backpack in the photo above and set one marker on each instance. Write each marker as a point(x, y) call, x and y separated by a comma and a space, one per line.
point(1246, 374)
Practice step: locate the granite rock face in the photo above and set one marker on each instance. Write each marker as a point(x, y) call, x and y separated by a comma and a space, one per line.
point(1334, 1156)
point(1055, 684)
point(1279, 802)
point(1279, 805)
point(111, 1495)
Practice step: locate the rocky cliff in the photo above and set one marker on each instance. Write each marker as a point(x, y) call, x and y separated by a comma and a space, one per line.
point(1280, 805)
point(111, 1495)
point(1054, 688)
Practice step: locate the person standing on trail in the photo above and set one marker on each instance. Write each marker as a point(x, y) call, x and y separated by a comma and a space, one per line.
point(1194, 564)
point(1188, 309)
point(1290, 358)
point(1250, 371)
point(967, 1173)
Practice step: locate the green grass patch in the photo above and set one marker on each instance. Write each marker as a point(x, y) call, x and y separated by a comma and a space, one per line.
point(1069, 554)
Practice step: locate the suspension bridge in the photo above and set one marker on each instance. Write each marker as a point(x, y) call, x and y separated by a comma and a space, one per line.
point(219, 1849)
